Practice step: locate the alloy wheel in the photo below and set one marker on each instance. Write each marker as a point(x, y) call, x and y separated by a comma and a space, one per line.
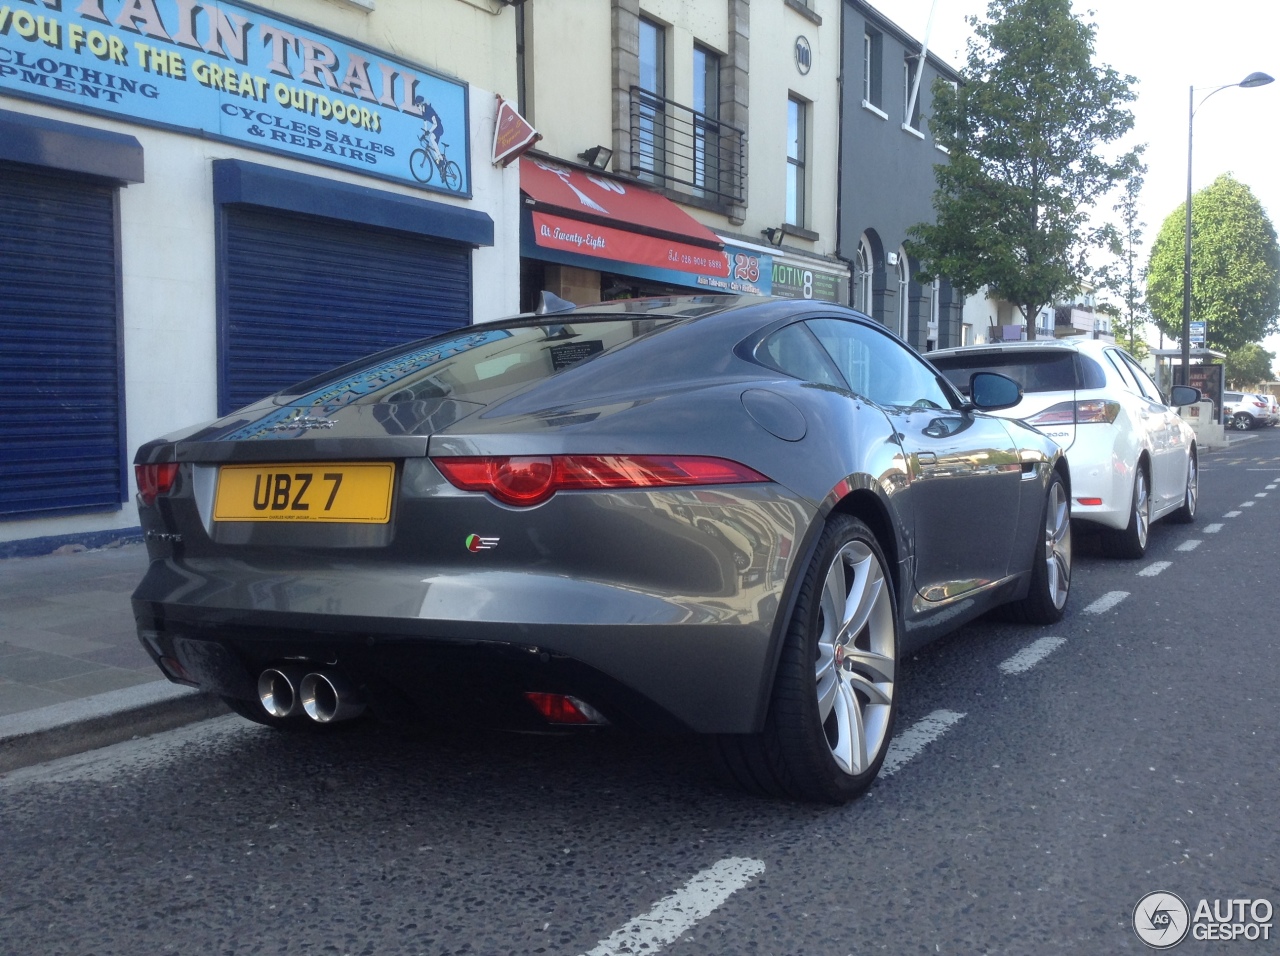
point(1057, 544)
point(1141, 507)
point(855, 669)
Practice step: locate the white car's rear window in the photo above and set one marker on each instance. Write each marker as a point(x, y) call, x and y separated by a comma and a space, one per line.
point(1058, 370)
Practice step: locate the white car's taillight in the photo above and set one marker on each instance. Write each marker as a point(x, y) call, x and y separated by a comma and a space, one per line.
point(1093, 411)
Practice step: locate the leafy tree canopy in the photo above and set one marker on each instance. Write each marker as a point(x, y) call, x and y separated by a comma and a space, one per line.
point(1024, 132)
point(1235, 267)
point(1249, 366)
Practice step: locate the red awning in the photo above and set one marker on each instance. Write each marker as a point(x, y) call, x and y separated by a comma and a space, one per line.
point(577, 194)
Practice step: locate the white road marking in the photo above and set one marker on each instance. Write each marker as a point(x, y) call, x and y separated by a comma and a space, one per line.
point(1031, 655)
point(674, 915)
point(1188, 545)
point(1106, 602)
point(1232, 514)
point(1261, 494)
point(1212, 528)
point(1271, 487)
point(914, 739)
point(1247, 504)
point(1151, 570)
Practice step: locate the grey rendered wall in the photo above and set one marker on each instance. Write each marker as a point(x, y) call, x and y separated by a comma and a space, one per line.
point(886, 176)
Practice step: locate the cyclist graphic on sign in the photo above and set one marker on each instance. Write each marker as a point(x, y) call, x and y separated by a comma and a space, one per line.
point(429, 158)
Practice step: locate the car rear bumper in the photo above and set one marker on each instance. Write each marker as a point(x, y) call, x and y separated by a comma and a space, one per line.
point(433, 641)
point(1101, 471)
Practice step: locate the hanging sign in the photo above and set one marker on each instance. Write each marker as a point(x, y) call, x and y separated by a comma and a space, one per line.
point(512, 134)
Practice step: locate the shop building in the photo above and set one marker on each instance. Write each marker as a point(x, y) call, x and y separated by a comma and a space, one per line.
point(201, 203)
point(685, 148)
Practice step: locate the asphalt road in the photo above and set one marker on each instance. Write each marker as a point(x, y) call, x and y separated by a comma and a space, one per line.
point(1040, 788)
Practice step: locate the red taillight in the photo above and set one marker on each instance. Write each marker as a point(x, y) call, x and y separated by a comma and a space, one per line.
point(155, 480)
point(1094, 411)
point(562, 709)
point(1089, 501)
point(532, 480)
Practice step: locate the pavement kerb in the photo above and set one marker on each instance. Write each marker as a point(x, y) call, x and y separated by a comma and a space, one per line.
point(61, 730)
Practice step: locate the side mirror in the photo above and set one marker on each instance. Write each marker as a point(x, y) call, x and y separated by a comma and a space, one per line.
point(1181, 395)
point(989, 392)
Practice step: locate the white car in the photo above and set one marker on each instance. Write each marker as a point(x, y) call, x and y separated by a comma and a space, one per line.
point(1132, 458)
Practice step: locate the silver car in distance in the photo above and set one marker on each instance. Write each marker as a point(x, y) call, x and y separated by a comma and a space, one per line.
point(730, 516)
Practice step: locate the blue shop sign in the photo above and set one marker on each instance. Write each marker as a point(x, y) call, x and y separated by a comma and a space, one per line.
point(239, 74)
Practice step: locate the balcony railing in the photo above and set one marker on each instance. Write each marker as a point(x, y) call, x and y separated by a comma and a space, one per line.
point(689, 152)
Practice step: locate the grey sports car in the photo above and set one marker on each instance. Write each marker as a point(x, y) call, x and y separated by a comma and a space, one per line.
point(724, 515)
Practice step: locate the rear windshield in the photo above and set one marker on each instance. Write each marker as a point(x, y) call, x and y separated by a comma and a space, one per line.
point(1058, 370)
point(477, 364)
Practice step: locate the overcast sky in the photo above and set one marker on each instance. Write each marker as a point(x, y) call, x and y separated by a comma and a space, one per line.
point(1169, 46)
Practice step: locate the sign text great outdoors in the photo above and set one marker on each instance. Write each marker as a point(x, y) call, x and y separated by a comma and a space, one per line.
point(236, 73)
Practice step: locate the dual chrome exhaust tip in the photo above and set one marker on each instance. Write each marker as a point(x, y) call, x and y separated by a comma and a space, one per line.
point(324, 696)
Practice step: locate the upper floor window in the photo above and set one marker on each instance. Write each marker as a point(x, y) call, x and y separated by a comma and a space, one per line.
point(653, 57)
point(652, 146)
point(706, 129)
point(909, 68)
point(797, 134)
point(872, 47)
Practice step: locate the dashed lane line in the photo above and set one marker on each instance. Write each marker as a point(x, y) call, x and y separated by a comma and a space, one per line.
point(674, 915)
point(1212, 528)
point(1031, 655)
point(1261, 494)
point(1247, 504)
point(1271, 487)
point(1151, 570)
point(915, 738)
point(1106, 602)
point(1189, 545)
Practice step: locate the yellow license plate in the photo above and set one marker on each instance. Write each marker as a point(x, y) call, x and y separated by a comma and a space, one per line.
point(315, 491)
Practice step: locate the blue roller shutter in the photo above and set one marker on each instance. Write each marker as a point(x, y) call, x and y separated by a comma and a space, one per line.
point(301, 295)
point(61, 404)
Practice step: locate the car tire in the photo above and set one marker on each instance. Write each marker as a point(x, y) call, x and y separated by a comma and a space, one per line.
point(1051, 573)
point(1131, 543)
point(1187, 513)
point(1241, 422)
point(833, 704)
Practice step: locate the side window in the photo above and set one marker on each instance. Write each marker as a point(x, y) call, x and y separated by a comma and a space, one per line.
point(877, 367)
point(796, 352)
point(1090, 373)
point(1125, 376)
point(1145, 384)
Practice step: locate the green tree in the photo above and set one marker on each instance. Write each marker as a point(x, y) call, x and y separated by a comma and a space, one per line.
point(1024, 132)
point(1124, 275)
point(1235, 267)
point(1248, 365)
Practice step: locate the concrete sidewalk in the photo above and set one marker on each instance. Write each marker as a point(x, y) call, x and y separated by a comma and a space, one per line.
point(72, 673)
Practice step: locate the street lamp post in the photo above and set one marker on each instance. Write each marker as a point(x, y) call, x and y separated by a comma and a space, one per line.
point(1250, 81)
